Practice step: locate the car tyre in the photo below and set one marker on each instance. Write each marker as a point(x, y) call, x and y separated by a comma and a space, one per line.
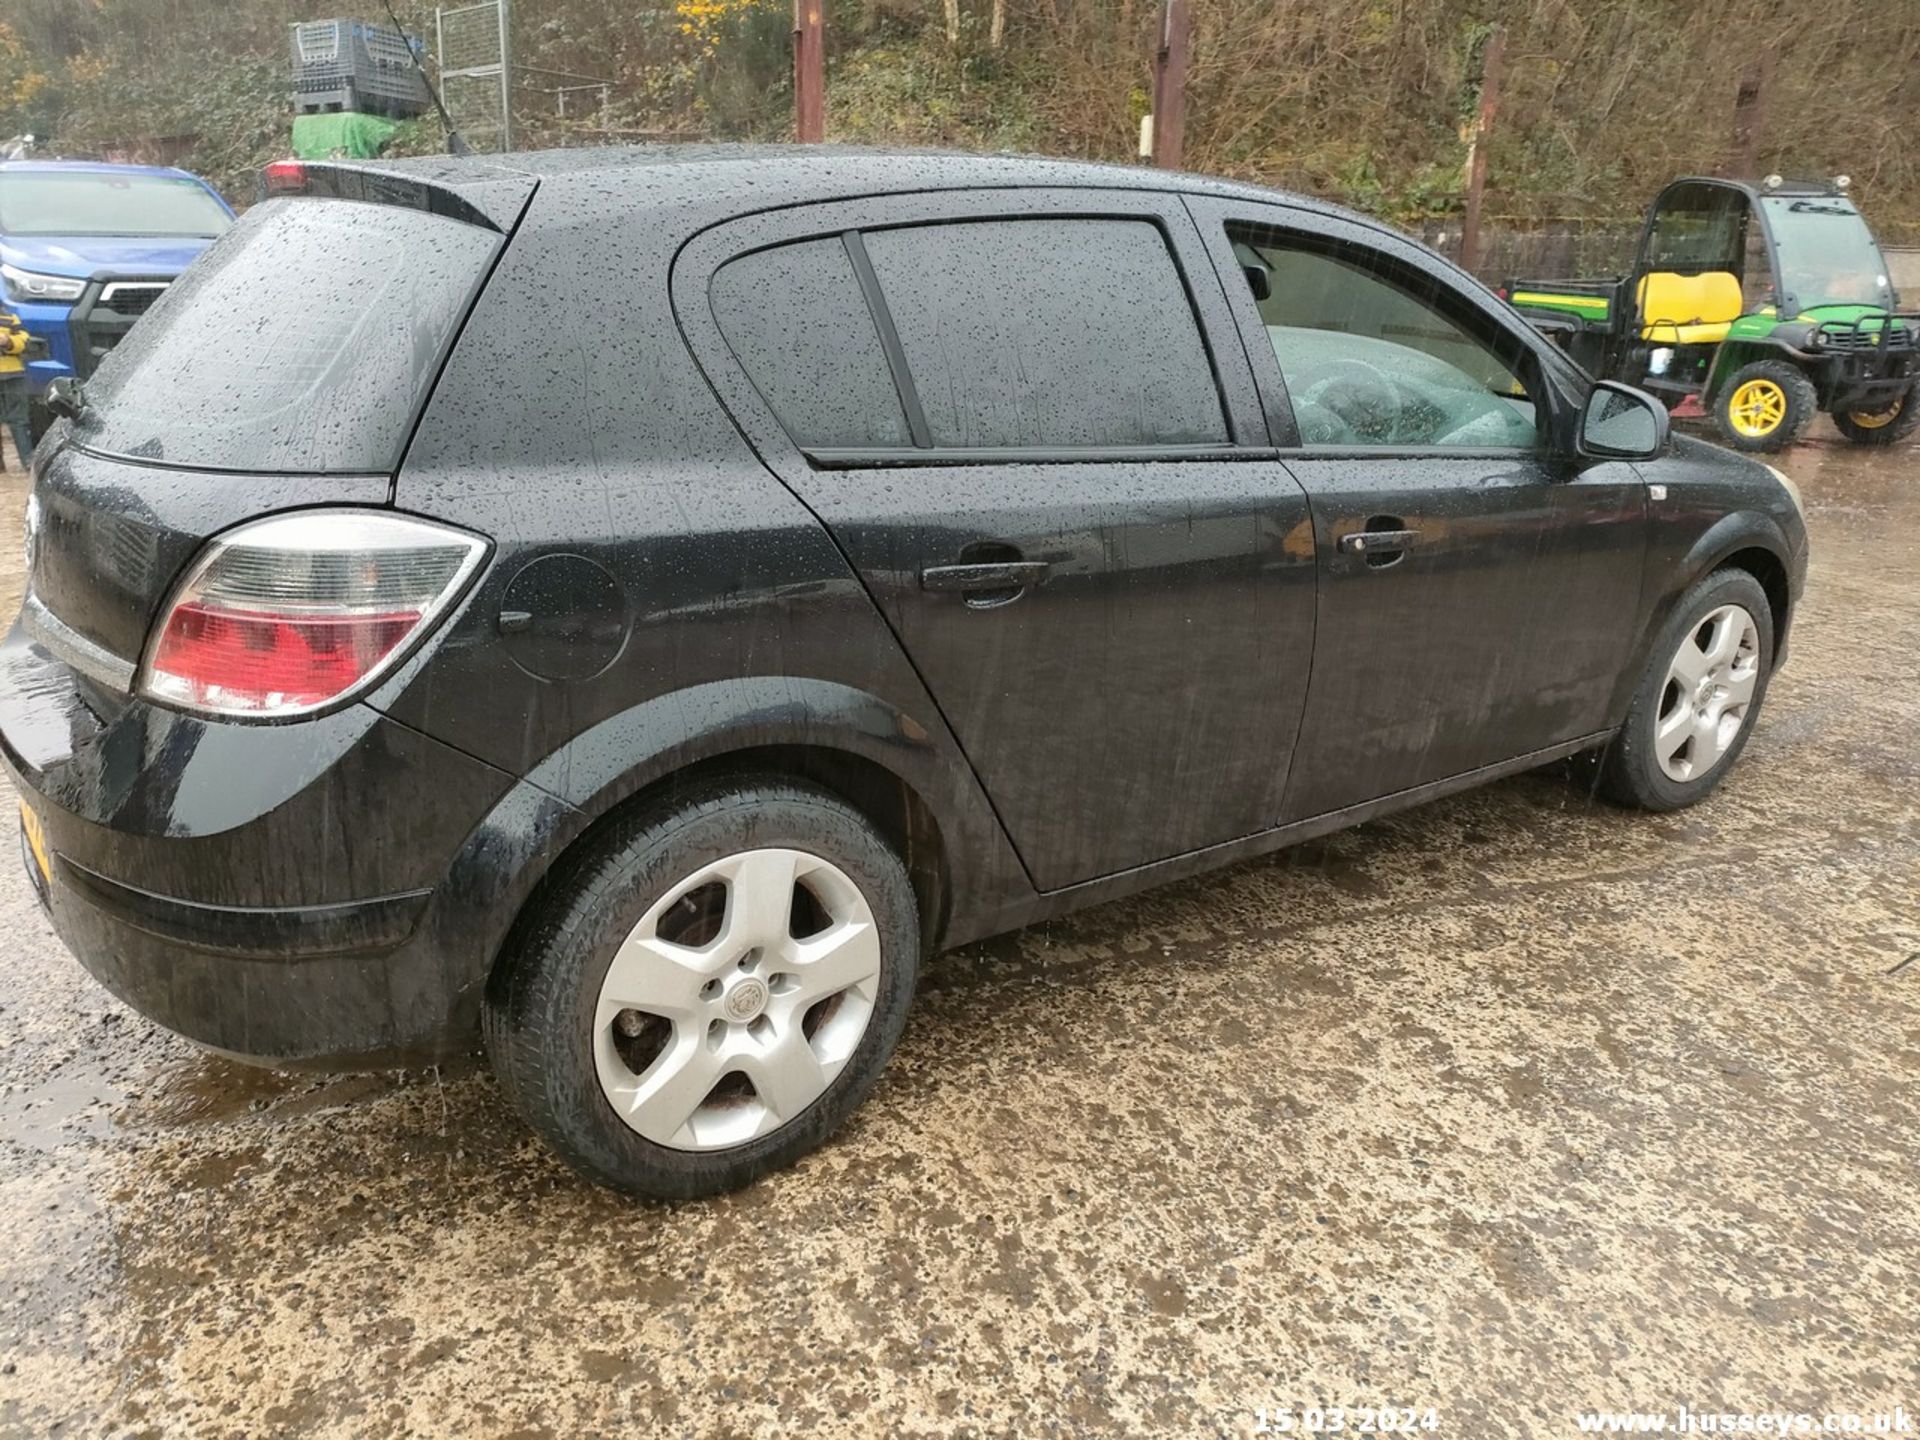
point(1697, 701)
point(1765, 406)
point(1887, 426)
point(570, 1034)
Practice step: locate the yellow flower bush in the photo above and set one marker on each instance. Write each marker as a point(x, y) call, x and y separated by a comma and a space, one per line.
point(704, 22)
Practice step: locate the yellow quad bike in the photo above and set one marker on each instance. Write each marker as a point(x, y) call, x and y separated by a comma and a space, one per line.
point(1763, 303)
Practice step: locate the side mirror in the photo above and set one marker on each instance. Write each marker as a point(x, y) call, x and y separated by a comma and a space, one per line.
point(1622, 423)
point(1258, 281)
point(65, 398)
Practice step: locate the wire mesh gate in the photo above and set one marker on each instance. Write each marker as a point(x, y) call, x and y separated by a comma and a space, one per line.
point(476, 67)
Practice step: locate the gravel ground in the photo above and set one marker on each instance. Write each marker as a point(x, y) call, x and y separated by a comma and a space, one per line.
point(1511, 1106)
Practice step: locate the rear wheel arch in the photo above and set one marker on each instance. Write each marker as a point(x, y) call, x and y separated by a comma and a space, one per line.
point(886, 799)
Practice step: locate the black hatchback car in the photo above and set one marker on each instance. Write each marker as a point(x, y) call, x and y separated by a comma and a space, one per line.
point(637, 605)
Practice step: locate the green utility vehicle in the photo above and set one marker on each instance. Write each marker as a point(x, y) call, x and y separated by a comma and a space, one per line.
point(1763, 303)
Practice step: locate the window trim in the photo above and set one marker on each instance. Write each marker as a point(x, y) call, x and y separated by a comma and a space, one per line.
point(898, 457)
point(1371, 250)
point(1235, 386)
point(881, 313)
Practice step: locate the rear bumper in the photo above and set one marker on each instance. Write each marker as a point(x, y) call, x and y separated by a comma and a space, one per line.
point(330, 893)
point(240, 980)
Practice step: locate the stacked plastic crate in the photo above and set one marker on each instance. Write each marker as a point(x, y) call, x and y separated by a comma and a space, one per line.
point(353, 67)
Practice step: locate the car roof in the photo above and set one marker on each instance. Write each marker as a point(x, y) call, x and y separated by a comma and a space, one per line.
point(1759, 190)
point(828, 172)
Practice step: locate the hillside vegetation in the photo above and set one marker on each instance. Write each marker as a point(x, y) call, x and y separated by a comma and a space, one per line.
point(1364, 101)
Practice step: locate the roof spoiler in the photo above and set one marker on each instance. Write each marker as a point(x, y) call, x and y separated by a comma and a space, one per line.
point(477, 194)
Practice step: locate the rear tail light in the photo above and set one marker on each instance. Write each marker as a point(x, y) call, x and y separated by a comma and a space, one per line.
point(284, 177)
point(290, 615)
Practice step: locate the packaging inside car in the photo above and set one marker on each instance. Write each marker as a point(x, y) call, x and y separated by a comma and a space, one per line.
point(628, 611)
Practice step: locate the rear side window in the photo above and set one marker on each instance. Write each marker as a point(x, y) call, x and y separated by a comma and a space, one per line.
point(1048, 333)
point(797, 320)
point(301, 341)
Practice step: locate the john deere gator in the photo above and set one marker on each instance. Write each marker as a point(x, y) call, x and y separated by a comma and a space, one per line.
point(1764, 303)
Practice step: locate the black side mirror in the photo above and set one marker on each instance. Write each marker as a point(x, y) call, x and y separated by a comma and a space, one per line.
point(1622, 423)
point(1259, 282)
point(65, 398)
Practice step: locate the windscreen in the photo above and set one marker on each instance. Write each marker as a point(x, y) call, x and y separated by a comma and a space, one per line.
point(1827, 254)
point(1698, 228)
point(81, 203)
point(301, 341)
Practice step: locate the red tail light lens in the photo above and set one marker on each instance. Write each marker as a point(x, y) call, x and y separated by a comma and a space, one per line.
point(284, 177)
point(289, 615)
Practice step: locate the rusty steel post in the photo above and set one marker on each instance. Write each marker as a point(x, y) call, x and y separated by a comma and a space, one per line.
point(1170, 87)
point(809, 71)
point(1749, 120)
point(1490, 57)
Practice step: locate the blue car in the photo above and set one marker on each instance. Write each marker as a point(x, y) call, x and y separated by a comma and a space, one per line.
point(86, 248)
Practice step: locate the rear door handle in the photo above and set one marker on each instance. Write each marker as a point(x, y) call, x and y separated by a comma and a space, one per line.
point(1378, 542)
point(992, 575)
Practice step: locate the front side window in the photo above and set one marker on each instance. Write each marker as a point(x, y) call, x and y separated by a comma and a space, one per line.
point(1375, 362)
point(1048, 333)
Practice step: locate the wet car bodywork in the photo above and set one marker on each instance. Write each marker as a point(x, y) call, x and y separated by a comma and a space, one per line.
point(674, 589)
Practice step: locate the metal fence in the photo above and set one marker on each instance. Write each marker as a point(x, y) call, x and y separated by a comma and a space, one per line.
point(1561, 249)
point(476, 71)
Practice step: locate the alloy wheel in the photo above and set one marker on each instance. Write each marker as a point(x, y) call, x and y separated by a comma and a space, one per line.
point(1758, 408)
point(1708, 692)
point(737, 999)
point(1877, 419)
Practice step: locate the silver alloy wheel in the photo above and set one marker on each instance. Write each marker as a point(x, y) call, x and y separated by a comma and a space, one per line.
point(1708, 691)
point(718, 1023)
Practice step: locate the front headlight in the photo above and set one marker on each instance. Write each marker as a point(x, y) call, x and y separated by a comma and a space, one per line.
point(26, 285)
point(1793, 491)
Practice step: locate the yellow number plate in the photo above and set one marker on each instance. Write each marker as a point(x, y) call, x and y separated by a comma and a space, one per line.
point(36, 841)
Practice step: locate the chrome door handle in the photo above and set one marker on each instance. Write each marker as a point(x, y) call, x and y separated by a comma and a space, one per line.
point(992, 575)
point(1378, 542)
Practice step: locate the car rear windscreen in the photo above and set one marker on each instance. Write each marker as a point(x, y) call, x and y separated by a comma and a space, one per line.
point(302, 341)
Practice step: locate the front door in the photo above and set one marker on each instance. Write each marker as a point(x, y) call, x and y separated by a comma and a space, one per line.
point(1008, 410)
point(1476, 587)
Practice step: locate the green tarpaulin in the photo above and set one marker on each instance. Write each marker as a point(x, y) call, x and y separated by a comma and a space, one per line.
point(341, 135)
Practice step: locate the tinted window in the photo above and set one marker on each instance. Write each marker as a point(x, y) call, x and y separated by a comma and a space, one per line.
point(1374, 361)
point(797, 320)
point(301, 341)
point(1048, 333)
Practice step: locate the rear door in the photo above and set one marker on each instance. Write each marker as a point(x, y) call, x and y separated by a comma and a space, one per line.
point(1015, 413)
point(1477, 587)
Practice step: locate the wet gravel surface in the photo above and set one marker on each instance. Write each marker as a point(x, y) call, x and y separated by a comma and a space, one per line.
point(1511, 1106)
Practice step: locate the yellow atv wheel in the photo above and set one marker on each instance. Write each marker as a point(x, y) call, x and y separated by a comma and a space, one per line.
point(1758, 408)
point(1885, 426)
point(1765, 406)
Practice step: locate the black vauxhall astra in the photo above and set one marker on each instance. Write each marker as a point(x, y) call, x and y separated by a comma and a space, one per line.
point(634, 606)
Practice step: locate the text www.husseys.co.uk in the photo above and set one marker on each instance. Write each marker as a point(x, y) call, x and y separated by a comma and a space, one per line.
point(1688, 1421)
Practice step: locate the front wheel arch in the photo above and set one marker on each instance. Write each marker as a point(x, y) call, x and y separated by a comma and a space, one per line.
point(1746, 540)
point(1771, 572)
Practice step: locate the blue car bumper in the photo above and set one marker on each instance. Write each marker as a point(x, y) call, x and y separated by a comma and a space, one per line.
point(48, 323)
